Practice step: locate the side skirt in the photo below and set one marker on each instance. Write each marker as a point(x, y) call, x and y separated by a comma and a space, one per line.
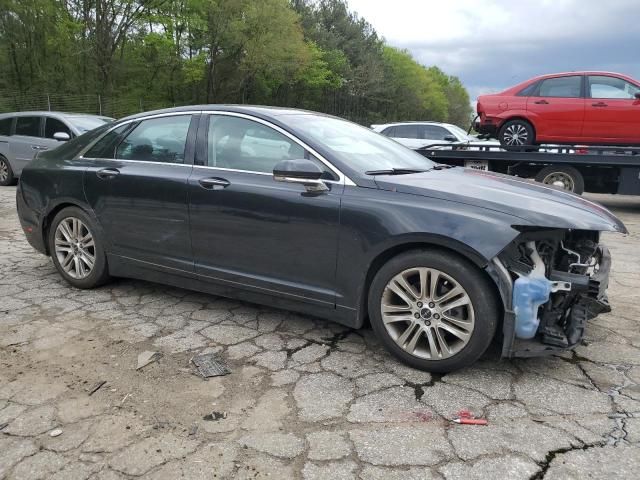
point(129, 268)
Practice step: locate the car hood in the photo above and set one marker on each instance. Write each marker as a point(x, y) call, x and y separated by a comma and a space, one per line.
point(535, 204)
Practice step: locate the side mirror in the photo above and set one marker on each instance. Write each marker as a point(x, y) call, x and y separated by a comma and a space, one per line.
point(61, 136)
point(304, 172)
point(637, 95)
point(450, 138)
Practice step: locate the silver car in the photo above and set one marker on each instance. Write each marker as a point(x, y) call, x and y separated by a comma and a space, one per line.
point(24, 134)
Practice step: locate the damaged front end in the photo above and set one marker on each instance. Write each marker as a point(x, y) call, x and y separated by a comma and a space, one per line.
point(552, 282)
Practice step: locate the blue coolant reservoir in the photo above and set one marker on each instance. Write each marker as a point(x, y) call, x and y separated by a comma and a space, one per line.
point(528, 294)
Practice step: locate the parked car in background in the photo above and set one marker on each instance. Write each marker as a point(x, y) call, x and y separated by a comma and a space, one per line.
point(596, 108)
point(24, 134)
point(417, 135)
point(317, 214)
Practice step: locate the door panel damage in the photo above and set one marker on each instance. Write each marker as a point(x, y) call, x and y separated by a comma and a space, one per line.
point(551, 282)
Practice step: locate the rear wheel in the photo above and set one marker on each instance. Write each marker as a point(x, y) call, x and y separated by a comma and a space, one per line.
point(6, 173)
point(77, 250)
point(516, 133)
point(563, 177)
point(433, 310)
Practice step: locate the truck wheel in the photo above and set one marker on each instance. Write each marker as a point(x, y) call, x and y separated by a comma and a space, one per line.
point(433, 310)
point(6, 173)
point(516, 133)
point(564, 177)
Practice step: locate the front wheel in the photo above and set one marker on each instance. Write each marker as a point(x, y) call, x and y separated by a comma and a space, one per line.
point(6, 173)
point(433, 310)
point(77, 250)
point(516, 133)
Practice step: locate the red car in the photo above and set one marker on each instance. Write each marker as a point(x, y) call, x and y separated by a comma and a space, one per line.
point(597, 108)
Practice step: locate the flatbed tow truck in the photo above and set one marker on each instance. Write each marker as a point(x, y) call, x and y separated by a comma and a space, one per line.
point(577, 168)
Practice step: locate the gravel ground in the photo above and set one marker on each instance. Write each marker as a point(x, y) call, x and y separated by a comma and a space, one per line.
point(306, 398)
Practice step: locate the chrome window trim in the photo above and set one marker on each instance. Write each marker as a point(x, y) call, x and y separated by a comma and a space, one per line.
point(80, 155)
point(342, 178)
point(139, 161)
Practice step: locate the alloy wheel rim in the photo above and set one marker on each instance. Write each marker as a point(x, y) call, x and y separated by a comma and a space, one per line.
point(427, 313)
point(4, 171)
point(560, 180)
point(75, 248)
point(516, 134)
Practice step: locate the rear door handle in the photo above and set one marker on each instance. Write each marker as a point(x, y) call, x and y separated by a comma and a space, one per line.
point(108, 173)
point(599, 104)
point(214, 183)
point(542, 102)
point(39, 147)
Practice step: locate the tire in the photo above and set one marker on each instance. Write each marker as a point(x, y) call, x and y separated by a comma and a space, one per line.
point(81, 273)
point(6, 173)
point(563, 177)
point(516, 134)
point(479, 315)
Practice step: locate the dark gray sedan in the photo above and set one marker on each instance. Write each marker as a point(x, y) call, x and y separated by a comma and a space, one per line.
point(312, 213)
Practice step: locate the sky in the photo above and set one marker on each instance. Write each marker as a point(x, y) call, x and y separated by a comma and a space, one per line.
point(494, 44)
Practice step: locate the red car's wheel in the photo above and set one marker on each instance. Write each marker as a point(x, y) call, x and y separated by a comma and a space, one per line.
point(516, 133)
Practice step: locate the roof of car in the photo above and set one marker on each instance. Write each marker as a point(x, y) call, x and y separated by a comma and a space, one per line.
point(50, 113)
point(261, 110)
point(412, 122)
point(581, 72)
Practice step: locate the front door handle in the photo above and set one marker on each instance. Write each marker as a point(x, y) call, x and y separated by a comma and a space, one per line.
point(542, 102)
point(39, 147)
point(108, 173)
point(214, 183)
point(599, 104)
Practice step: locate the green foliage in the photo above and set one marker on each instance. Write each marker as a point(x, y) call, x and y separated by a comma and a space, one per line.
point(151, 53)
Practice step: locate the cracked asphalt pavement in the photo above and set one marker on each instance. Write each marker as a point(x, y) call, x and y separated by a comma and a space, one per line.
point(306, 398)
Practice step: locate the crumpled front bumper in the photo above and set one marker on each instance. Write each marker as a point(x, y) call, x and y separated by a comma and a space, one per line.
point(589, 301)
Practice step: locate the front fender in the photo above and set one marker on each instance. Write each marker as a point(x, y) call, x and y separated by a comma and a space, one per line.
point(372, 226)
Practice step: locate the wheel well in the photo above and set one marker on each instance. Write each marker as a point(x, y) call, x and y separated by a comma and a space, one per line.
point(46, 223)
point(385, 256)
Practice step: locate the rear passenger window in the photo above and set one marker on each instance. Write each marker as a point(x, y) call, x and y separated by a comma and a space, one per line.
point(389, 132)
point(565, 87)
point(29, 126)
point(106, 146)
point(407, 131)
point(157, 140)
point(53, 126)
point(5, 126)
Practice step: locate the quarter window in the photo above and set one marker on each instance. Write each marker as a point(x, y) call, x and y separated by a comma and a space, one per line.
point(389, 132)
point(242, 144)
point(53, 126)
point(157, 140)
point(565, 87)
point(28, 126)
point(407, 131)
point(601, 86)
point(5, 126)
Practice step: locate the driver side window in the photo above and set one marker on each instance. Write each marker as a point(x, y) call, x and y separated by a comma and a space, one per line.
point(241, 144)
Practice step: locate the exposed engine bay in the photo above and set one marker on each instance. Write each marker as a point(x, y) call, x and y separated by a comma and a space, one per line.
point(552, 282)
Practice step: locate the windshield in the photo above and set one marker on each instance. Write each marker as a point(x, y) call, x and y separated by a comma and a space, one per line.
point(360, 148)
point(460, 133)
point(84, 123)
